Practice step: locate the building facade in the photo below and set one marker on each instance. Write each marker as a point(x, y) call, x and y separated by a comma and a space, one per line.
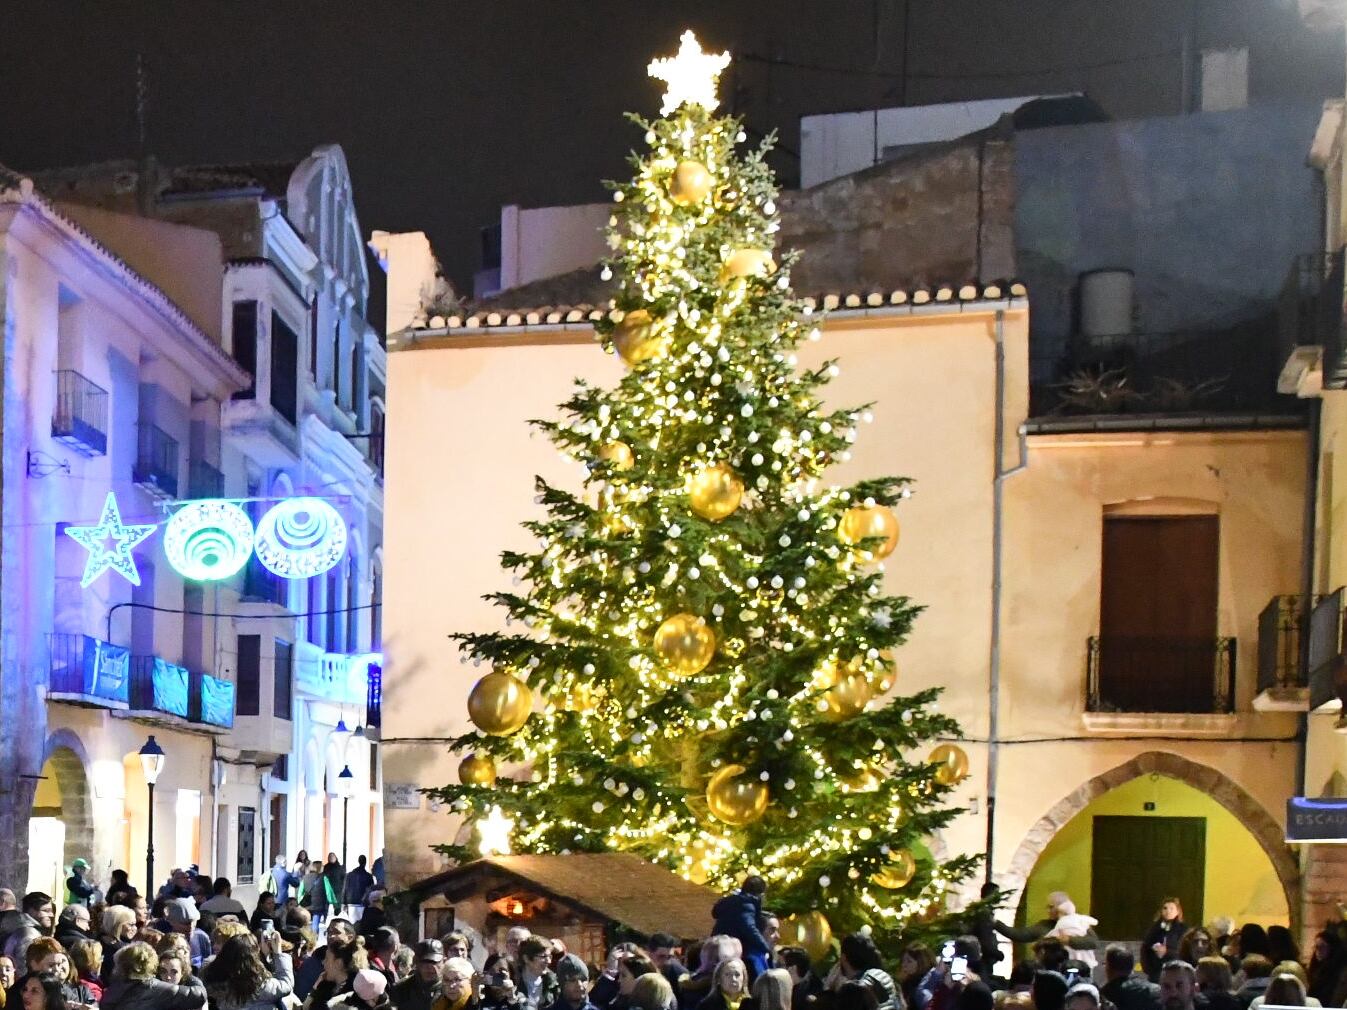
point(299, 767)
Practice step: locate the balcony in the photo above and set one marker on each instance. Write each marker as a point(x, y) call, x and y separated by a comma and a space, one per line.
point(166, 694)
point(374, 695)
point(1281, 678)
point(80, 421)
point(1310, 326)
point(261, 585)
point(156, 468)
point(1162, 381)
point(87, 671)
point(203, 480)
point(1158, 675)
point(261, 432)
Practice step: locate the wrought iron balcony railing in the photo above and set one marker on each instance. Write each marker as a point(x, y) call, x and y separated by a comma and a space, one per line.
point(1310, 314)
point(156, 468)
point(204, 480)
point(1136, 674)
point(80, 419)
point(1279, 664)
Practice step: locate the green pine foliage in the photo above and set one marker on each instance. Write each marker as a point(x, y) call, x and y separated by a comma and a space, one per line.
point(619, 748)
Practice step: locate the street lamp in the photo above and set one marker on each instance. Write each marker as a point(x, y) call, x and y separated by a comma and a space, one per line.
point(345, 786)
point(152, 759)
point(341, 736)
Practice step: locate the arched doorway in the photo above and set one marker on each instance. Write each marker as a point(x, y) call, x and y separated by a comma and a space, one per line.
point(1246, 868)
point(61, 827)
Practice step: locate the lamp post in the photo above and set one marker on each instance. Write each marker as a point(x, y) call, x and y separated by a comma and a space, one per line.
point(345, 786)
point(152, 759)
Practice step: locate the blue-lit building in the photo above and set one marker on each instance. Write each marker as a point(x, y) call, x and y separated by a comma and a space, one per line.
point(266, 270)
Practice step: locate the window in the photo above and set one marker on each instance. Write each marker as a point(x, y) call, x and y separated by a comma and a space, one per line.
point(244, 342)
point(334, 608)
point(1158, 649)
point(352, 605)
point(247, 839)
point(194, 628)
point(276, 829)
point(336, 361)
point(376, 620)
point(313, 339)
point(284, 368)
point(282, 700)
point(314, 624)
point(373, 766)
point(249, 686)
point(280, 768)
point(353, 380)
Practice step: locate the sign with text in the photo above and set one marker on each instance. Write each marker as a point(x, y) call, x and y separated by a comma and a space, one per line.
point(402, 796)
point(1321, 820)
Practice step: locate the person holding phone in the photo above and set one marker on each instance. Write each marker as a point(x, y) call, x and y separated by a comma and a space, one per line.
point(250, 973)
point(1162, 940)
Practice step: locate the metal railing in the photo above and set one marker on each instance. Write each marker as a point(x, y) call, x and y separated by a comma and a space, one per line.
point(159, 686)
point(1279, 644)
point(1310, 311)
point(374, 694)
point(1326, 631)
point(204, 480)
point(1195, 372)
point(87, 667)
point(156, 467)
point(80, 419)
point(1136, 674)
point(261, 585)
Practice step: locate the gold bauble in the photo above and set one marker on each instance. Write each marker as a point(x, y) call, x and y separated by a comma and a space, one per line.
point(685, 643)
point(690, 183)
point(866, 780)
point(476, 770)
point(698, 861)
point(715, 491)
point(619, 454)
point(883, 678)
point(898, 872)
point(809, 930)
point(636, 339)
point(736, 799)
point(952, 762)
point(862, 523)
point(849, 694)
point(747, 263)
point(499, 703)
point(581, 697)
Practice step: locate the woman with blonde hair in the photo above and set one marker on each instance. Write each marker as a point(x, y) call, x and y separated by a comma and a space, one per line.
point(771, 991)
point(1216, 983)
point(135, 986)
point(729, 986)
point(116, 928)
point(87, 957)
point(1161, 944)
point(652, 992)
point(1296, 971)
point(1285, 990)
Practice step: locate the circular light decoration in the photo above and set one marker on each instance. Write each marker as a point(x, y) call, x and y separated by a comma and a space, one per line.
point(208, 540)
point(300, 537)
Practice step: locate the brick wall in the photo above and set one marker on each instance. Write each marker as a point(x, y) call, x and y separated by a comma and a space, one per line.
point(1323, 885)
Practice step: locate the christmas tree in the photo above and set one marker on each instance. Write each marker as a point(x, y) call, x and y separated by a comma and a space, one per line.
point(697, 666)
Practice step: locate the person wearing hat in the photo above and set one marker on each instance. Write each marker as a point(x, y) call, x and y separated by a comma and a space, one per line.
point(420, 989)
point(182, 918)
point(81, 890)
point(369, 991)
point(573, 977)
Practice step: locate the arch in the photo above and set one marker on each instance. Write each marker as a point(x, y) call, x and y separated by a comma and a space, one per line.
point(65, 759)
point(1215, 784)
point(1163, 506)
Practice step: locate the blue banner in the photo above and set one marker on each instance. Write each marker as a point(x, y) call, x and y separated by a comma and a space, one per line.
point(217, 701)
point(107, 670)
point(170, 688)
point(1321, 820)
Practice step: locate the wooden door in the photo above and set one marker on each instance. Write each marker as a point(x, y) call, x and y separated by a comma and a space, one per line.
point(1157, 620)
point(1140, 861)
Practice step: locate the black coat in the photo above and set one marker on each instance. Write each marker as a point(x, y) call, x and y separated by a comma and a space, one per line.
point(1168, 933)
point(151, 994)
point(1136, 992)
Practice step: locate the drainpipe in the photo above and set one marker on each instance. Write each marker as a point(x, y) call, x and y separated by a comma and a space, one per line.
point(999, 476)
point(1308, 521)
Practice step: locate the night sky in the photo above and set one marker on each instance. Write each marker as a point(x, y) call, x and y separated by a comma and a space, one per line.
point(449, 109)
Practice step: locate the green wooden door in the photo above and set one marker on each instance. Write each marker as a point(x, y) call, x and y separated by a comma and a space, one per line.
point(1140, 861)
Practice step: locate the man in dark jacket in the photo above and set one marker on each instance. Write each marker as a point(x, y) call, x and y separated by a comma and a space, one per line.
point(737, 915)
point(573, 977)
point(81, 890)
point(420, 989)
point(73, 925)
point(359, 882)
point(338, 931)
point(1126, 988)
point(805, 984)
point(1035, 932)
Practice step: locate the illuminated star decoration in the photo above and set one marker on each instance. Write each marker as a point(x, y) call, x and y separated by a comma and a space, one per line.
point(115, 554)
point(690, 77)
point(495, 833)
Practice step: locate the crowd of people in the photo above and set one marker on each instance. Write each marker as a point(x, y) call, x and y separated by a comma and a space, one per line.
point(319, 939)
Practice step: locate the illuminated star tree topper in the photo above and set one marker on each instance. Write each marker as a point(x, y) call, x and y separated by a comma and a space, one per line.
point(109, 544)
point(691, 76)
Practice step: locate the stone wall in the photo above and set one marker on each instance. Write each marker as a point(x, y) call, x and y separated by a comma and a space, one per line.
point(1323, 885)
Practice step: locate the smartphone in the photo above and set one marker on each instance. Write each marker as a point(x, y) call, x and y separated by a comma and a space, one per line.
point(947, 951)
point(958, 968)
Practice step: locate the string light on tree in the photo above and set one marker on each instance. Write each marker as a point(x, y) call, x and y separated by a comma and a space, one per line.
point(493, 834)
point(710, 648)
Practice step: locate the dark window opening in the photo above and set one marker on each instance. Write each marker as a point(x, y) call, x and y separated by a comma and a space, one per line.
point(244, 343)
point(248, 699)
